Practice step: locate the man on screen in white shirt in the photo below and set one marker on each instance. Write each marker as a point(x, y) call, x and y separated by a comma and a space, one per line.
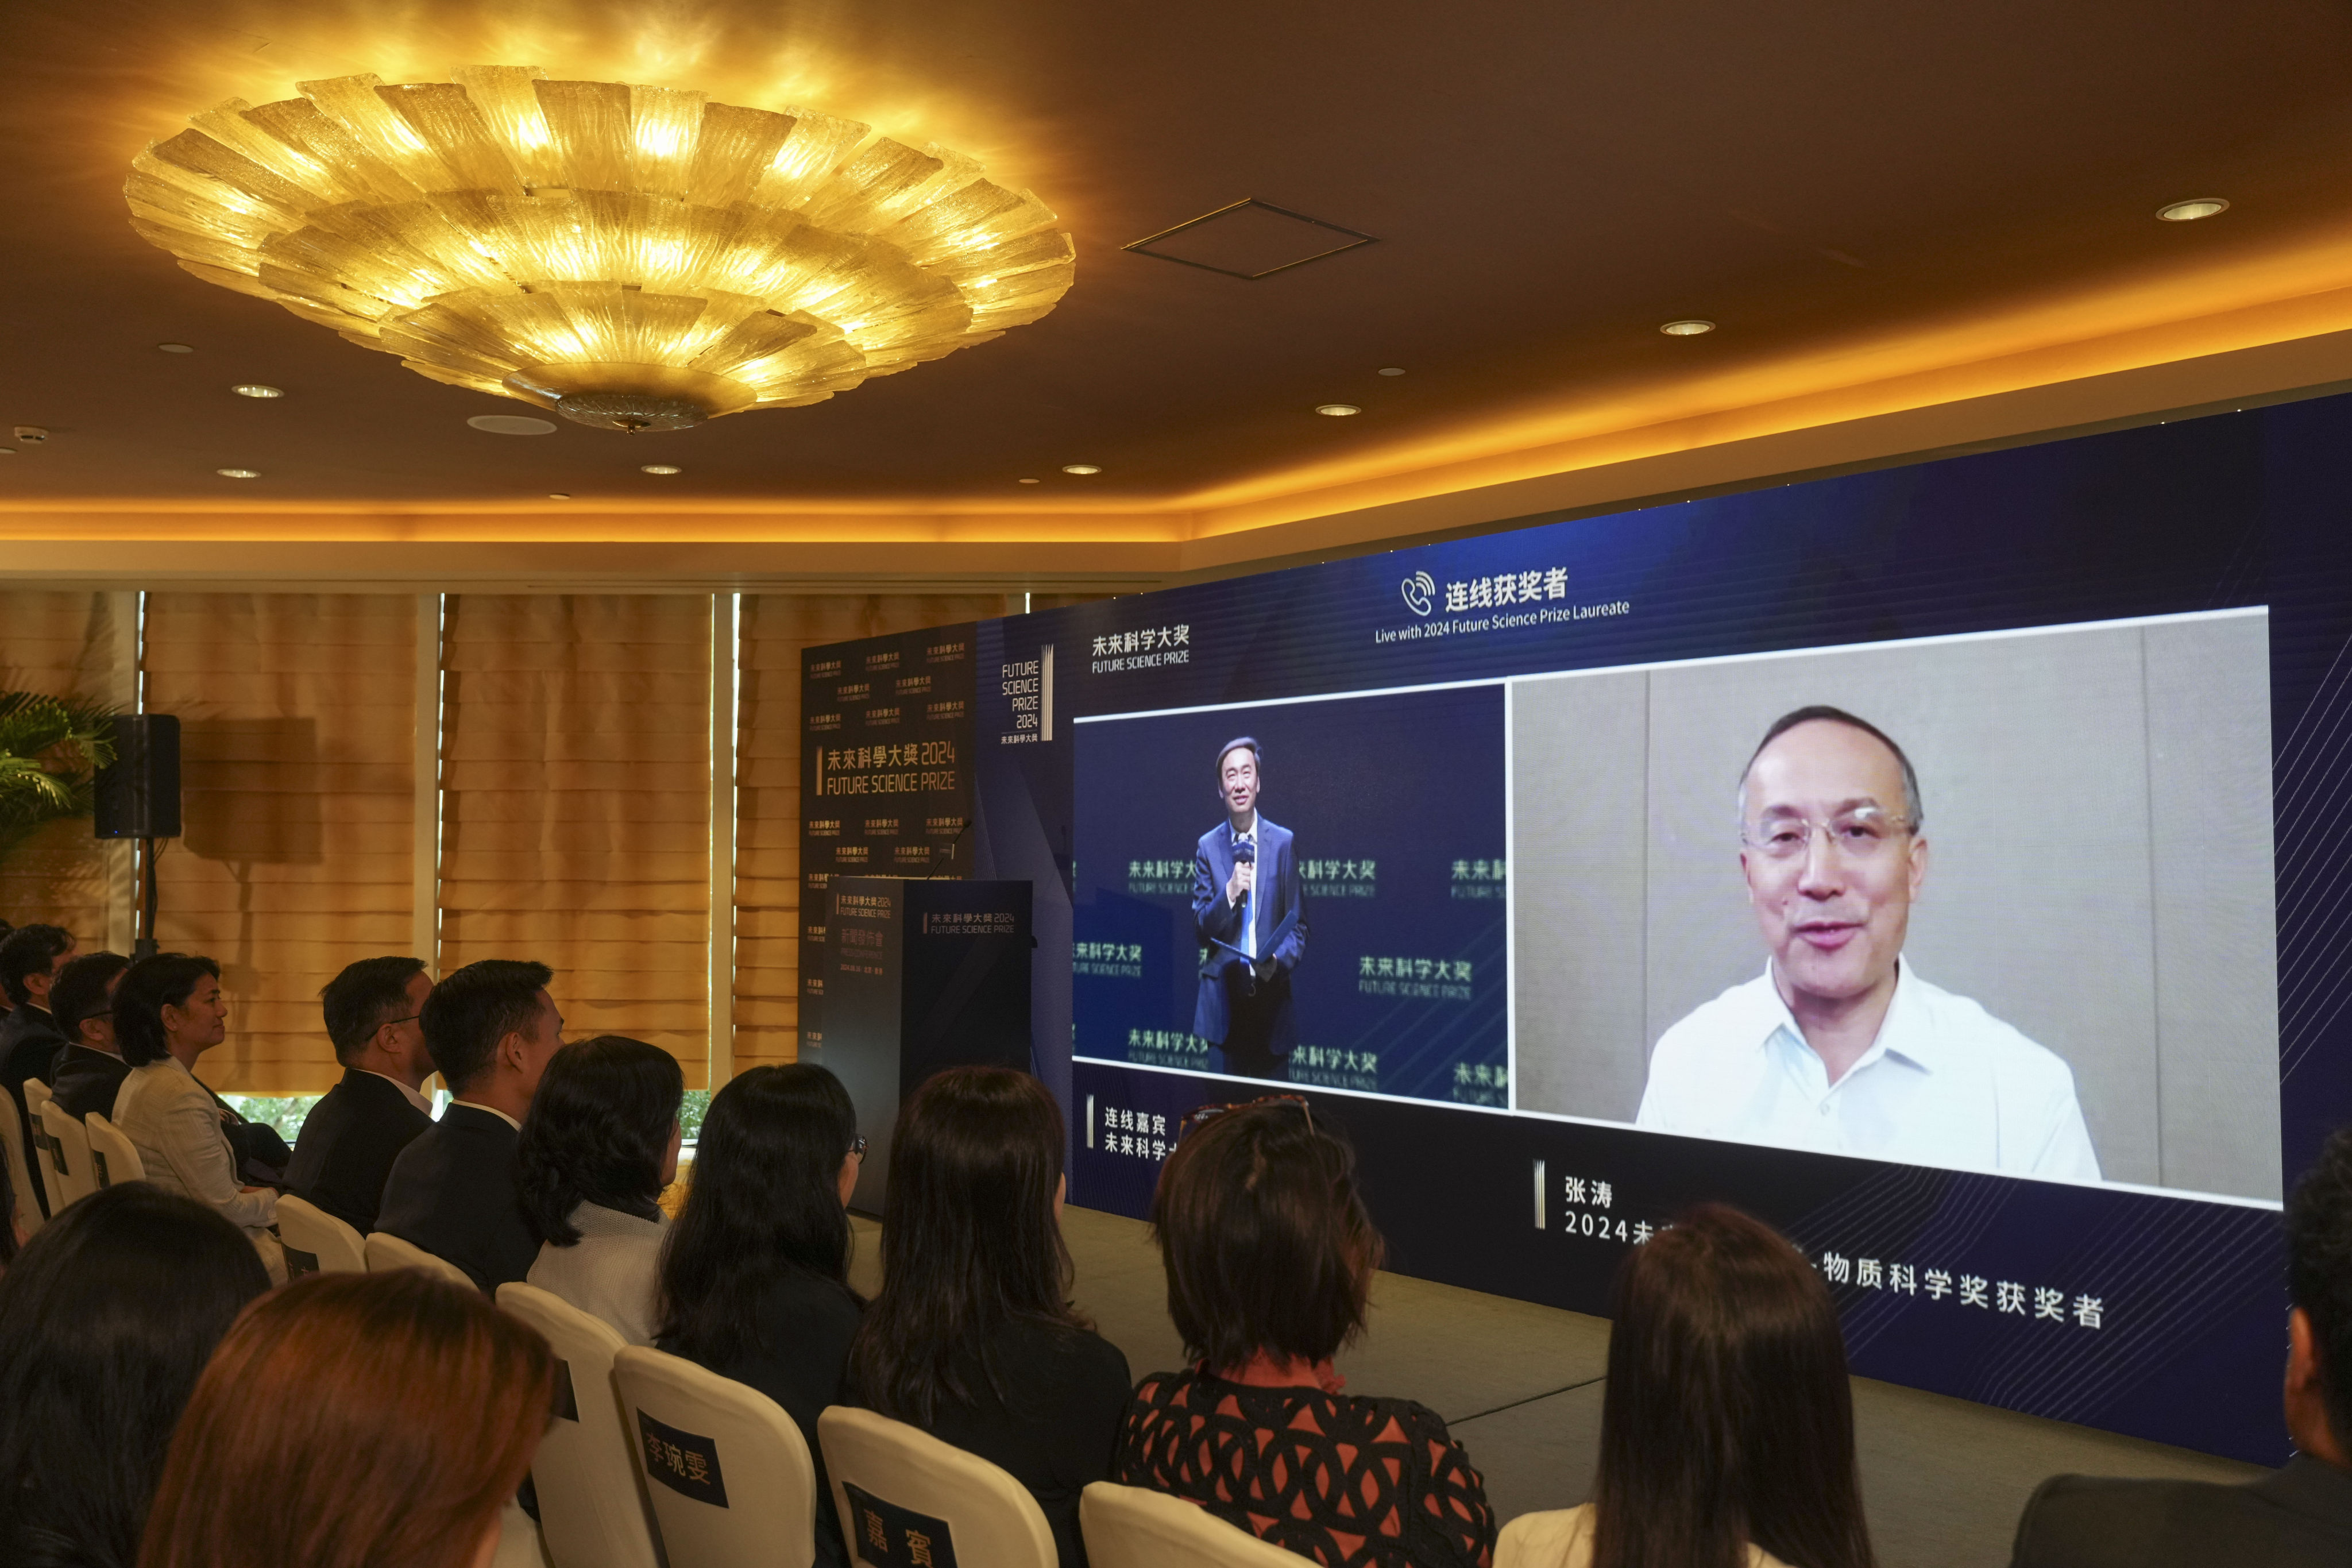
point(1840, 1046)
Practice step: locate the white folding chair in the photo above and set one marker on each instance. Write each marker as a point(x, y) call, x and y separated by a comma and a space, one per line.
point(592, 1509)
point(729, 1476)
point(1130, 1527)
point(112, 1157)
point(385, 1250)
point(69, 1150)
point(20, 1170)
point(45, 1157)
point(316, 1242)
point(900, 1482)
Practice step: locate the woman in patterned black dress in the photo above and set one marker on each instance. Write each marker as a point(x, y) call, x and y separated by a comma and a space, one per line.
point(1270, 1258)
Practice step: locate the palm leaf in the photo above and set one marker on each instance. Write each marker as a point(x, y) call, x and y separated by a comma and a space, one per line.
point(50, 749)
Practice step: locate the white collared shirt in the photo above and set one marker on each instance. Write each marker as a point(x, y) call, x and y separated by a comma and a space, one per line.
point(1248, 944)
point(1945, 1083)
point(493, 1109)
point(410, 1095)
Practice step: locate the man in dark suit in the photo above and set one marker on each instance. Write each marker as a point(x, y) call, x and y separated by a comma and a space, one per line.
point(1247, 914)
point(2295, 1517)
point(374, 1011)
point(491, 1026)
point(30, 958)
point(88, 1070)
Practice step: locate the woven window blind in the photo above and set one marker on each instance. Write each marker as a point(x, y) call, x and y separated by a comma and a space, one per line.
point(575, 776)
point(298, 733)
point(775, 628)
point(60, 645)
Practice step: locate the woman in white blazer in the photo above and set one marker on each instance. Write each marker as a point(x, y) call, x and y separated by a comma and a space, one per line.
point(168, 1011)
point(599, 1145)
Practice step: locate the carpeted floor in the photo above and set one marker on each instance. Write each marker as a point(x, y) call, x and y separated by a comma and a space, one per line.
point(1520, 1385)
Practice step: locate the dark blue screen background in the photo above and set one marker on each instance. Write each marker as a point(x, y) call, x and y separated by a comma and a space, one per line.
point(1386, 795)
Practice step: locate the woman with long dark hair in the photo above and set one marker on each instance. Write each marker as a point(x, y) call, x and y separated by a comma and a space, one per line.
point(354, 1421)
point(600, 1144)
point(754, 1281)
point(107, 1317)
point(973, 1336)
point(1270, 1256)
point(1726, 1428)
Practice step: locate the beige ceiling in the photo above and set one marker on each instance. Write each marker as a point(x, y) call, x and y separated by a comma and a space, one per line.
point(1888, 206)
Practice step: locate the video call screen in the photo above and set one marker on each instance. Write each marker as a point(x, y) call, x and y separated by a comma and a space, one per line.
point(2000, 902)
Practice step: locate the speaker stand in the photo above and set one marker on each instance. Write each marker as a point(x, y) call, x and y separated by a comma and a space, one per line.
point(144, 945)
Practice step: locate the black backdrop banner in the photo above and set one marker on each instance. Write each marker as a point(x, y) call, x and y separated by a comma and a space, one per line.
point(886, 775)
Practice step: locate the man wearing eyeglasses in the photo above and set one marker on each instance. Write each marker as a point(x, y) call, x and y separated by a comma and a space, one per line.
point(1247, 915)
point(351, 1137)
point(1840, 1046)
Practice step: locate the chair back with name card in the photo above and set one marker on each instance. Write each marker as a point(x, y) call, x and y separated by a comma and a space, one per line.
point(728, 1473)
point(592, 1509)
point(904, 1496)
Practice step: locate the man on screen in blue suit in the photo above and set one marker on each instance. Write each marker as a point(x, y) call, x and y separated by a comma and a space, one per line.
point(1247, 911)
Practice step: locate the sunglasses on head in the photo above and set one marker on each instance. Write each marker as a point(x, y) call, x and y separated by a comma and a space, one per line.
point(1201, 1114)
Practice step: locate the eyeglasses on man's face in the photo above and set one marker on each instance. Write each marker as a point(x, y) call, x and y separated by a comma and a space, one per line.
point(1861, 834)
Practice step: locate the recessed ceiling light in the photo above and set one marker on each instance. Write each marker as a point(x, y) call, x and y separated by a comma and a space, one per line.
point(1690, 327)
point(1029, 481)
point(175, 348)
point(1337, 410)
point(512, 425)
point(657, 468)
point(559, 495)
point(255, 389)
point(2193, 209)
point(1080, 469)
point(1393, 369)
point(238, 473)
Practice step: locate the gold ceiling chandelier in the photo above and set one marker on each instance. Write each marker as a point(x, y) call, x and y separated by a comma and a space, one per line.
point(633, 257)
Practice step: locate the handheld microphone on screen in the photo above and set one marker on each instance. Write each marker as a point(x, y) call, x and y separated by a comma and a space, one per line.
point(1245, 853)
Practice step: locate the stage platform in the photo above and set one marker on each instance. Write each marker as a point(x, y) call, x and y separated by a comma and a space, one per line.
point(1520, 1385)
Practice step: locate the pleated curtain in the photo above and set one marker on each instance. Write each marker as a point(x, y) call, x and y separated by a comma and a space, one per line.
point(298, 733)
point(576, 827)
point(767, 891)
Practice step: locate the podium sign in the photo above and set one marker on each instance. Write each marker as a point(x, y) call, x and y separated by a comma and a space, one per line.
point(919, 975)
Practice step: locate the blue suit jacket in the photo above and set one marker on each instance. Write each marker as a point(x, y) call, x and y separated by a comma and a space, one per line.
point(1226, 990)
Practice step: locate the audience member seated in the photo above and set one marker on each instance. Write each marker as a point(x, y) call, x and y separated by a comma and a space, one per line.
point(2297, 1516)
point(88, 1070)
point(972, 1337)
point(354, 1421)
point(1270, 1258)
point(755, 1284)
point(1727, 1427)
point(106, 1319)
point(374, 1010)
point(168, 1011)
point(30, 957)
point(599, 1146)
point(492, 1027)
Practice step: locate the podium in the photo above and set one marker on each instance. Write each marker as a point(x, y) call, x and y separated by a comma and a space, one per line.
point(919, 975)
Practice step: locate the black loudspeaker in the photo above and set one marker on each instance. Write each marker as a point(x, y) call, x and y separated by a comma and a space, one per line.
point(139, 797)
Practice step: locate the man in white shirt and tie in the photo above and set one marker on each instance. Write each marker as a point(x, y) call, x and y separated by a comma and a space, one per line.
point(1840, 1046)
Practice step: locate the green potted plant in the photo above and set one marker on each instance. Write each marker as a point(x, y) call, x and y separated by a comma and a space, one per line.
point(50, 751)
